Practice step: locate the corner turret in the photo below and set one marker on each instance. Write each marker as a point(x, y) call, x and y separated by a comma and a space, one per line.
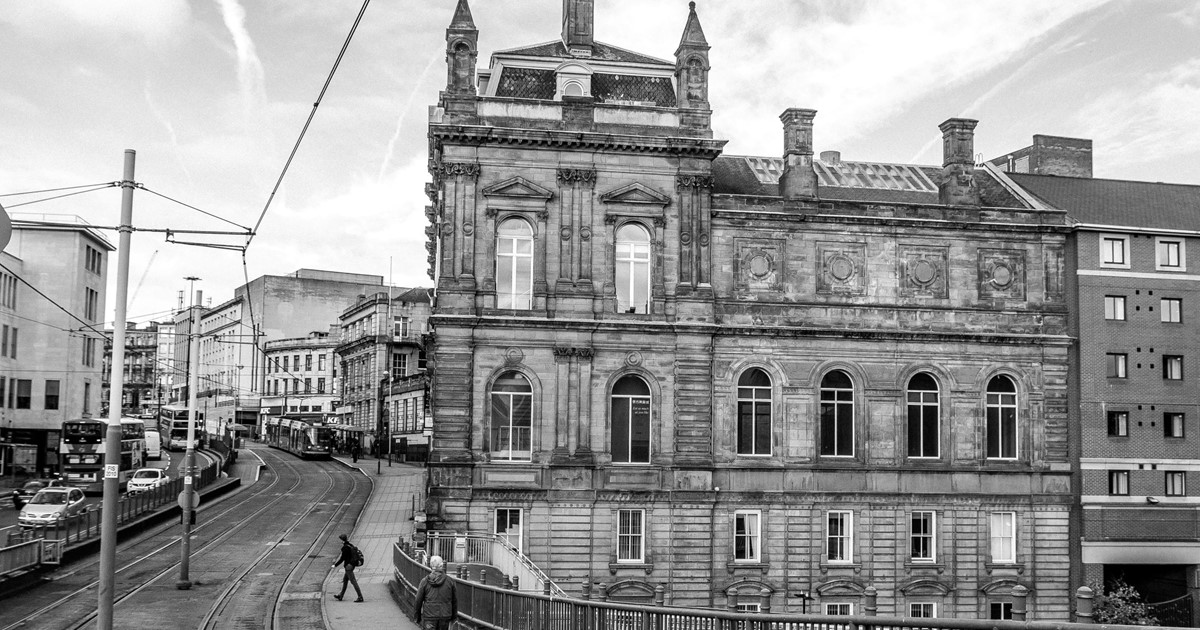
point(462, 50)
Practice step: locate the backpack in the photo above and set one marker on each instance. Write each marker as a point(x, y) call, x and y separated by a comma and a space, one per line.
point(358, 556)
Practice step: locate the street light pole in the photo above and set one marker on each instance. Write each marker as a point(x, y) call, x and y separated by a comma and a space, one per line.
point(187, 498)
point(112, 437)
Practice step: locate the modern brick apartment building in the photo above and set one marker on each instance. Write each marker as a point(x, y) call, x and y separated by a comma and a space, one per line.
point(1135, 397)
point(656, 365)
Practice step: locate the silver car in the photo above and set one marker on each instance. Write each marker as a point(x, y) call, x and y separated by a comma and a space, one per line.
point(144, 479)
point(49, 505)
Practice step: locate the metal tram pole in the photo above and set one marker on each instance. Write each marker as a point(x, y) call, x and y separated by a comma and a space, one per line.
point(112, 437)
point(187, 498)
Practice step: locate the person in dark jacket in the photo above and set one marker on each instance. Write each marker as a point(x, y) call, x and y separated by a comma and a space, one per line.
point(347, 560)
point(436, 604)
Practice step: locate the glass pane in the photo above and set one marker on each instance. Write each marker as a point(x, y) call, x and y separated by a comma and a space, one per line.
point(639, 447)
point(762, 442)
point(631, 386)
point(620, 430)
point(1001, 384)
point(837, 379)
point(754, 377)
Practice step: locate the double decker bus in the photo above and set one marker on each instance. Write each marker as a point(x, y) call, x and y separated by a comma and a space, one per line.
point(83, 456)
point(173, 427)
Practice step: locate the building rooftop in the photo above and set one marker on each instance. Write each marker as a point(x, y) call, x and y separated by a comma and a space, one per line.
point(1118, 202)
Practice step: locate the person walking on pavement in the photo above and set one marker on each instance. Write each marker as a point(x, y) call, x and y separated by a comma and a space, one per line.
point(436, 604)
point(348, 560)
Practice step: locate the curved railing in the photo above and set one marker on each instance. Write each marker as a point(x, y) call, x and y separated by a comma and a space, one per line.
point(490, 550)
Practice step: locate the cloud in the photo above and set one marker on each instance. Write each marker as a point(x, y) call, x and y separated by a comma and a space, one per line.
point(156, 21)
point(250, 69)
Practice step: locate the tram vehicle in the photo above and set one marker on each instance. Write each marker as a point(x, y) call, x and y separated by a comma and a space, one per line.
point(309, 438)
point(83, 456)
point(173, 426)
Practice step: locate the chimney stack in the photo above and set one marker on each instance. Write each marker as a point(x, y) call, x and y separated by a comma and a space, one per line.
point(957, 186)
point(578, 27)
point(799, 180)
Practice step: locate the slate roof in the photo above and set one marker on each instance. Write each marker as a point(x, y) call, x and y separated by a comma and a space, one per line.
point(1118, 202)
point(600, 52)
point(870, 182)
point(538, 83)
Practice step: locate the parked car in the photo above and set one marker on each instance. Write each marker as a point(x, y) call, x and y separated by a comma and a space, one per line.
point(153, 445)
point(144, 479)
point(22, 495)
point(49, 505)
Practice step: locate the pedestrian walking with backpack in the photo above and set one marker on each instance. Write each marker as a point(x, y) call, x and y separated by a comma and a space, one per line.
point(436, 604)
point(351, 557)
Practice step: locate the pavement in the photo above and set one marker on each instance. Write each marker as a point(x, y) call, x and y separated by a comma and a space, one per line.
point(386, 519)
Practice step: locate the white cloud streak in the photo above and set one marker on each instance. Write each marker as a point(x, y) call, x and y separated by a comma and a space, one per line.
point(249, 68)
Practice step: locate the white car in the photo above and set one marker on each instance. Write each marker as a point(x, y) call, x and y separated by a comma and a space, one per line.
point(153, 445)
point(49, 505)
point(144, 479)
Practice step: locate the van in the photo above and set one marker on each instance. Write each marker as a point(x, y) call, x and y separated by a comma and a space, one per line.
point(153, 445)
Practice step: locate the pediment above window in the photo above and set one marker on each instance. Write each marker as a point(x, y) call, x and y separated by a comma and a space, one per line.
point(518, 188)
point(925, 586)
point(636, 193)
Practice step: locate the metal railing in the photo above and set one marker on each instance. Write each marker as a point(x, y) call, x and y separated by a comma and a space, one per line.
point(80, 528)
point(494, 551)
point(485, 607)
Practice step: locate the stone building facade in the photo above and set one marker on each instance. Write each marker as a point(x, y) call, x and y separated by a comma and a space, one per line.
point(658, 365)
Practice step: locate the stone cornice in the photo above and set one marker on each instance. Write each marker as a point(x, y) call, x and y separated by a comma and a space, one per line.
point(672, 145)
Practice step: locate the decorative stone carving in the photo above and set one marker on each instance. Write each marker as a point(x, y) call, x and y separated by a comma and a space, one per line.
point(633, 358)
point(757, 265)
point(683, 182)
point(1001, 274)
point(577, 175)
point(842, 268)
point(923, 272)
point(468, 229)
point(513, 355)
point(585, 233)
point(561, 352)
point(1055, 271)
point(565, 232)
point(454, 169)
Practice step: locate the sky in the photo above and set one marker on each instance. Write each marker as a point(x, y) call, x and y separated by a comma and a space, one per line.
point(212, 95)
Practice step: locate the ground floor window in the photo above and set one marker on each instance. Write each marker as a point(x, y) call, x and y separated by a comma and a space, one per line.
point(508, 525)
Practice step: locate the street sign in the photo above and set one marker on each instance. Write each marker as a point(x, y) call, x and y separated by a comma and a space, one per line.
point(189, 500)
point(111, 471)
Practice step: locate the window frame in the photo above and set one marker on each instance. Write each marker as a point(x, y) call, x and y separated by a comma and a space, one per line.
point(835, 411)
point(998, 407)
point(752, 420)
point(1174, 483)
point(927, 539)
point(52, 399)
point(633, 541)
point(838, 609)
point(1162, 245)
point(635, 258)
point(520, 537)
point(1174, 425)
point(1170, 310)
point(930, 402)
point(1002, 536)
point(1114, 308)
point(1118, 419)
point(24, 394)
point(1116, 365)
point(510, 430)
point(1118, 483)
point(1172, 366)
point(1106, 240)
point(840, 543)
point(932, 609)
point(747, 541)
point(632, 423)
point(511, 261)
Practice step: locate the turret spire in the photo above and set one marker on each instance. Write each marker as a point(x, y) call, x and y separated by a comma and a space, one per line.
point(462, 46)
point(462, 16)
point(691, 64)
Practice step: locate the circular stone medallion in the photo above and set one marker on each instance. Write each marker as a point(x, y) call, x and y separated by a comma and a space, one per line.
point(841, 268)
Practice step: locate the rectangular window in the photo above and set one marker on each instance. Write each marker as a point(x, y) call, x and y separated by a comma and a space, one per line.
point(400, 326)
point(1113, 250)
point(1170, 254)
point(921, 537)
point(87, 397)
point(24, 393)
point(91, 304)
point(631, 537)
point(321, 362)
point(1116, 364)
point(1176, 484)
point(296, 363)
point(321, 385)
point(1172, 367)
point(508, 526)
point(1114, 307)
point(12, 344)
point(922, 610)
point(1171, 310)
point(89, 351)
point(52, 394)
point(1118, 423)
point(295, 386)
point(1173, 425)
point(399, 365)
point(92, 260)
point(308, 363)
point(1118, 482)
point(285, 363)
point(839, 536)
point(746, 536)
point(3, 382)
point(1000, 610)
point(308, 386)
point(840, 609)
point(1003, 536)
point(4, 341)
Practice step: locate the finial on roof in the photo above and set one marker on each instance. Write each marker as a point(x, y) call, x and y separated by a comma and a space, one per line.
point(462, 16)
point(692, 6)
point(692, 33)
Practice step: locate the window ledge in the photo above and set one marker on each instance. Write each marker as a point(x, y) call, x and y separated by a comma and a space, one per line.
point(911, 566)
point(827, 566)
point(992, 567)
point(648, 567)
point(734, 565)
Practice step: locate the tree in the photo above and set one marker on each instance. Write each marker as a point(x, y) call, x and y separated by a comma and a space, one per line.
point(1121, 604)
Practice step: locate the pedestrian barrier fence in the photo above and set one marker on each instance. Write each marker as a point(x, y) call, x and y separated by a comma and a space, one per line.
point(28, 548)
point(492, 550)
point(484, 606)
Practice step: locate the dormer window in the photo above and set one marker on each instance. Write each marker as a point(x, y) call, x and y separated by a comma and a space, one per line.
point(574, 80)
point(573, 88)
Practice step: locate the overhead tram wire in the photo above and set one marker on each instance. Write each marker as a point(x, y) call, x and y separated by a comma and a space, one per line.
point(295, 148)
point(47, 190)
point(56, 304)
point(70, 194)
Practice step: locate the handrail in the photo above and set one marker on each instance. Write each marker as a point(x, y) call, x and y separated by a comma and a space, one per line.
point(501, 541)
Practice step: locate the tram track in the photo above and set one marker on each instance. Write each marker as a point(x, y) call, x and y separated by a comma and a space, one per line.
point(245, 585)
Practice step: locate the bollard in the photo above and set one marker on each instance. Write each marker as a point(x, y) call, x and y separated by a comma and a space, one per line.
point(587, 590)
point(659, 595)
point(1084, 600)
point(731, 599)
point(1019, 594)
point(602, 594)
point(483, 576)
point(871, 606)
point(516, 583)
point(764, 605)
point(506, 583)
point(378, 467)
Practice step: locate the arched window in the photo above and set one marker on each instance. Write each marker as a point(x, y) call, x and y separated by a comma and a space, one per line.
point(512, 418)
point(1001, 418)
point(631, 421)
point(514, 265)
point(754, 413)
point(572, 89)
point(923, 411)
point(633, 269)
point(837, 415)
